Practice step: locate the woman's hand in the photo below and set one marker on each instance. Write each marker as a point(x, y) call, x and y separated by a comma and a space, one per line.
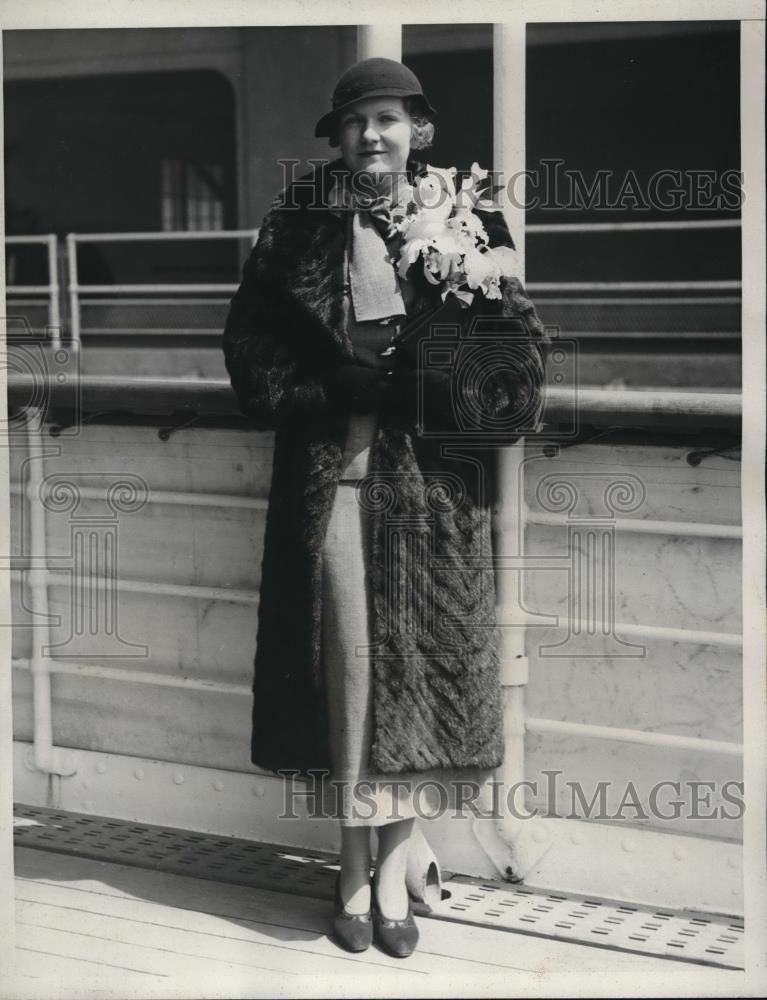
point(370, 359)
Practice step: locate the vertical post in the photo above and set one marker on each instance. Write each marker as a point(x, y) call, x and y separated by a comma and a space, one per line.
point(74, 292)
point(7, 895)
point(509, 127)
point(54, 313)
point(509, 162)
point(514, 843)
point(379, 40)
point(752, 70)
point(49, 759)
point(37, 576)
point(508, 542)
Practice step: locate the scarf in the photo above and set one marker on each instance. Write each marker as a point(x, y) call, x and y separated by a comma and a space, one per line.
point(371, 241)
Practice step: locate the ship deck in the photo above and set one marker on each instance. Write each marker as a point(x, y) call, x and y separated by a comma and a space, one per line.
point(88, 928)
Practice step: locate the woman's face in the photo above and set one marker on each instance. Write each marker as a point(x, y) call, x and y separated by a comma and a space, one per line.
point(374, 135)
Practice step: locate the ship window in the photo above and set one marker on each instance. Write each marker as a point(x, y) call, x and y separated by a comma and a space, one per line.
point(192, 195)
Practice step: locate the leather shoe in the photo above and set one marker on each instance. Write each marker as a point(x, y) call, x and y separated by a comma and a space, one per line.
point(396, 937)
point(353, 931)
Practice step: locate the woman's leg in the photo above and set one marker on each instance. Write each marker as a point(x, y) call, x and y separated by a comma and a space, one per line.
point(347, 670)
point(391, 865)
point(355, 868)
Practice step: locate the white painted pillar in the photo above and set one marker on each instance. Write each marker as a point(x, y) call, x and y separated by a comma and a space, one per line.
point(379, 40)
point(509, 126)
point(513, 844)
point(509, 160)
point(6, 727)
point(752, 106)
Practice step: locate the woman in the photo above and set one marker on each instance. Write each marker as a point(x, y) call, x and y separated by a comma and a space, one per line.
point(376, 657)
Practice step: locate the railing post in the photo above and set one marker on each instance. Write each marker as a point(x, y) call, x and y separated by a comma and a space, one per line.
point(509, 535)
point(54, 313)
point(509, 158)
point(74, 292)
point(47, 758)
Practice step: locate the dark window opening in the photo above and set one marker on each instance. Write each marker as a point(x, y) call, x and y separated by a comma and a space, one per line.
point(192, 195)
point(129, 152)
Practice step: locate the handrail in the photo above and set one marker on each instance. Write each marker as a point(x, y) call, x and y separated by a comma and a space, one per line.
point(643, 526)
point(633, 286)
point(177, 234)
point(49, 240)
point(149, 287)
point(75, 289)
point(680, 300)
point(592, 406)
point(639, 737)
point(547, 290)
point(36, 238)
point(600, 406)
point(680, 225)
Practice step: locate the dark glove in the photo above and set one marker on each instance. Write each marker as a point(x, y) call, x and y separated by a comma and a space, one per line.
point(355, 387)
point(370, 359)
point(425, 395)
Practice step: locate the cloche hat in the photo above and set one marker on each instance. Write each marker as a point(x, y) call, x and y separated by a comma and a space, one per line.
point(375, 77)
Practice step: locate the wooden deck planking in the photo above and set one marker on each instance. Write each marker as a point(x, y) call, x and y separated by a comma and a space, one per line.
point(275, 931)
point(41, 975)
point(171, 931)
point(213, 907)
point(237, 947)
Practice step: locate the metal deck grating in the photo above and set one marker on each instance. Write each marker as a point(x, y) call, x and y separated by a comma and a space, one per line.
point(702, 938)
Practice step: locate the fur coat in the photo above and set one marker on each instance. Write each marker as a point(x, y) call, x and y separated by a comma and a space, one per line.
point(436, 687)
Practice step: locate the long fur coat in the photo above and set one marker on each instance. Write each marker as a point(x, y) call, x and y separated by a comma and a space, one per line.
point(436, 688)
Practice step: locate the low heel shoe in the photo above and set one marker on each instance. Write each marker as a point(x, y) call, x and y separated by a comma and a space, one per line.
point(396, 937)
point(353, 931)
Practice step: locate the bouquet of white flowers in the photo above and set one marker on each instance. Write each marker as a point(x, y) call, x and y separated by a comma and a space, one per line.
point(439, 225)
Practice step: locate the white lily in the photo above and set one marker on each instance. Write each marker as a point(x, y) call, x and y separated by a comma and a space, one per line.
point(478, 267)
point(505, 260)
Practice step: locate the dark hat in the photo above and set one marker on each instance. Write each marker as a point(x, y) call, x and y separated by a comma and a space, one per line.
point(375, 77)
